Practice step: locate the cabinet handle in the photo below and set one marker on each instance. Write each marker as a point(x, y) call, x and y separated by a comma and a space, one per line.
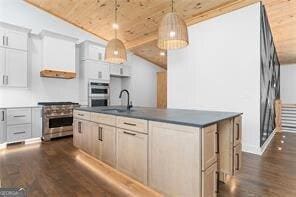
point(21, 132)
point(121, 71)
point(79, 127)
point(99, 133)
point(102, 134)
point(3, 80)
point(19, 116)
point(6, 79)
point(80, 114)
point(237, 161)
point(237, 134)
point(218, 143)
point(128, 133)
point(100, 75)
point(217, 182)
point(6, 41)
point(3, 116)
point(3, 40)
point(130, 124)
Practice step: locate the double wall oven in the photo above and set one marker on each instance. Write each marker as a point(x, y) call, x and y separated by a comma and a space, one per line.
point(98, 94)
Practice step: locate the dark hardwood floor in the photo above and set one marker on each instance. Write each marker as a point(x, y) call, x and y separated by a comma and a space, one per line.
point(271, 175)
point(56, 168)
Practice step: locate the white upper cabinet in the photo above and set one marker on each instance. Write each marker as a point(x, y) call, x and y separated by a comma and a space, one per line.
point(95, 70)
point(2, 66)
point(13, 55)
point(16, 40)
point(2, 37)
point(119, 70)
point(14, 37)
point(58, 52)
point(92, 51)
point(16, 68)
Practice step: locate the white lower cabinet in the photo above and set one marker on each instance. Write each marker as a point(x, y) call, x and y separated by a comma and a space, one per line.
point(2, 125)
point(16, 133)
point(132, 149)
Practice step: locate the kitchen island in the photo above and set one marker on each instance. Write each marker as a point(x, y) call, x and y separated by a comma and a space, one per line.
point(176, 152)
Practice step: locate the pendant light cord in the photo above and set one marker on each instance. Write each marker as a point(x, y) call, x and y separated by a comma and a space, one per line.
point(173, 5)
point(115, 17)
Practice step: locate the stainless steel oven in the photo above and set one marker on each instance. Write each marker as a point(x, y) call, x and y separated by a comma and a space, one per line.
point(98, 94)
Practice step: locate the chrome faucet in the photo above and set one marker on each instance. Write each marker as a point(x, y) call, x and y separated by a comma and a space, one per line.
point(129, 105)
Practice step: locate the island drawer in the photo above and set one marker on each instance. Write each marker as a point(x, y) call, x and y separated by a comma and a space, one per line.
point(19, 116)
point(237, 130)
point(103, 119)
point(132, 124)
point(209, 146)
point(81, 115)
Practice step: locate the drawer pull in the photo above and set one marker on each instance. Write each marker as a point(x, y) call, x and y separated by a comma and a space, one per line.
point(79, 127)
point(128, 133)
point(3, 118)
point(19, 116)
point(237, 135)
point(80, 114)
point(21, 132)
point(237, 161)
point(130, 124)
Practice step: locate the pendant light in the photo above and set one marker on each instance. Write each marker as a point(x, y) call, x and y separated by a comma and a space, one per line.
point(115, 51)
point(172, 32)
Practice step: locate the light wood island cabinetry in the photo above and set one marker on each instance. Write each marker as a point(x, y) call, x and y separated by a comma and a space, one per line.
point(174, 159)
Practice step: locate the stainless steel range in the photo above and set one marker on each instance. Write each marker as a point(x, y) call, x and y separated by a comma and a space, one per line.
point(57, 119)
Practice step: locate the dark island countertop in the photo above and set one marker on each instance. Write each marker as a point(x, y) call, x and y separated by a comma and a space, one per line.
point(195, 118)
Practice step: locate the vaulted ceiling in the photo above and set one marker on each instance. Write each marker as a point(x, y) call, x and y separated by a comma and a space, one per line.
point(138, 20)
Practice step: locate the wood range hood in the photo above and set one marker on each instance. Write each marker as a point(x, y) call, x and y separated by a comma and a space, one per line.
point(57, 74)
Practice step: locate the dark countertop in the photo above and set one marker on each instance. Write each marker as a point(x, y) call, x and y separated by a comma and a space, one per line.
point(195, 118)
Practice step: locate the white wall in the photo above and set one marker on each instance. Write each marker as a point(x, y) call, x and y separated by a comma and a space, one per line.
point(220, 70)
point(288, 83)
point(143, 83)
point(20, 13)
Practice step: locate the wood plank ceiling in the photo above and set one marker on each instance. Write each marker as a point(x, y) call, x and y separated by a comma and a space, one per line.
point(138, 20)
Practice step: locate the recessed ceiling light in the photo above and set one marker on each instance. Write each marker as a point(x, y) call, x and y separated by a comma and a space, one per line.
point(115, 26)
point(162, 53)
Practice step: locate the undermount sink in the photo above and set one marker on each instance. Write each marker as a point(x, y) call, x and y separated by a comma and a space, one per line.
point(119, 110)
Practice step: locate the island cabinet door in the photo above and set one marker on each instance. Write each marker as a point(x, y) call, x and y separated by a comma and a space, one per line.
point(209, 146)
point(174, 159)
point(210, 182)
point(86, 141)
point(108, 148)
point(97, 142)
point(237, 130)
point(132, 150)
point(77, 133)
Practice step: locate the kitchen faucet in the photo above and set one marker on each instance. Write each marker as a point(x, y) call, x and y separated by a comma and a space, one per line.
point(129, 105)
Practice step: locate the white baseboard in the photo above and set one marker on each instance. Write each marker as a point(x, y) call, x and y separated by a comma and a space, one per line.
point(3, 146)
point(33, 140)
point(267, 142)
point(258, 150)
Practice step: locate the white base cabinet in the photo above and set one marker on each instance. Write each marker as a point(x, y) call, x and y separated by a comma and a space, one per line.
point(20, 124)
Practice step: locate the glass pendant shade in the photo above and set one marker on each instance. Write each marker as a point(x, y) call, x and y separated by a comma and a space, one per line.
point(115, 52)
point(172, 32)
